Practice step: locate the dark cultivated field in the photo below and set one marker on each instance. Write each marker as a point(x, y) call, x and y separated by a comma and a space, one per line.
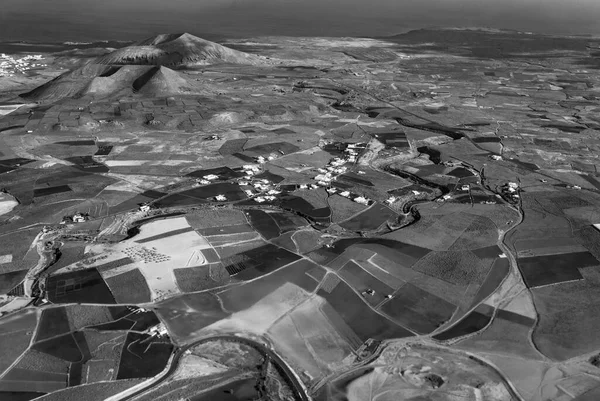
point(53, 322)
point(364, 321)
point(19, 396)
point(129, 287)
point(211, 255)
point(393, 139)
point(9, 280)
point(231, 191)
point(39, 192)
point(498, 272)
point(369, 220)
point(233, 146)
point(143, 356)
point(354, 178)
point(287, 221)
point(543, 270)
point(260, 261)
point(224, 173)
point(84, 286)
point(88, 164)
point(418, 310)
point(304, 208)
point(280, 148)
point(240, 298)
point(361, 281)
point(71, 347)
point(165, 235)
point(263, 223)
point(470, 324)
point(175, 200)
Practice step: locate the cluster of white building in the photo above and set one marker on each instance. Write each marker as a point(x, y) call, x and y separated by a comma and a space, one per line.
point(10, 65)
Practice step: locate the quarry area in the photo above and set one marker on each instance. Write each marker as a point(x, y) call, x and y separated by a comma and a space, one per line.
point(413, 217)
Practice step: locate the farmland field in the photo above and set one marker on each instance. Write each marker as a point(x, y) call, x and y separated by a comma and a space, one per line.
point(543, 270)
point(457, 267)
point(85, 286)
point(15, 335)
point(343, 208)
point(363, 321)
point(198, 278)
point(142, 357)
point(418, 310)
point(129, 287)
point(472, 323)
point(370, 219)
point(239, 298)
point(184, 315)
point(361, 281)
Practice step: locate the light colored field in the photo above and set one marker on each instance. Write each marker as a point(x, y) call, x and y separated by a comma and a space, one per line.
point(158, 227)
point(7, 203)
point(5, 259)
point(135, 163)
point(525, 375)
point(289, 342)
point(207, 218)
point(321, 338)
point(522, 305)
point(232, 239)
point(156, 259)
point(191, 366)
point(262, 315)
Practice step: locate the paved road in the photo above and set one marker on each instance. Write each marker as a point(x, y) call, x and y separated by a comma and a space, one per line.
point(297, 387)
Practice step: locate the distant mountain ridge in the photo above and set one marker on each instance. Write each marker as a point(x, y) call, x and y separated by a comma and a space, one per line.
point(489, 42)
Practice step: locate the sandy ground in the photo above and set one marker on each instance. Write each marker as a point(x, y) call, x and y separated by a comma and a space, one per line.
point(7, 203)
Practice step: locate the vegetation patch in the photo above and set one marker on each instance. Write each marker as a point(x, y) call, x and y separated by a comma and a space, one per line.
point(418, 310)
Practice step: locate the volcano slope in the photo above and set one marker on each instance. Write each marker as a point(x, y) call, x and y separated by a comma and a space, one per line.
point(175, 51)
point(395, 219)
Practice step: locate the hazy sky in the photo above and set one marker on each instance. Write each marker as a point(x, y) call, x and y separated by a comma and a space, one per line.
point(59, 20)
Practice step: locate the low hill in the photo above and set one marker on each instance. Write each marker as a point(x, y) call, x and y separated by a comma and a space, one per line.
point(177, 50)
point(101, 81)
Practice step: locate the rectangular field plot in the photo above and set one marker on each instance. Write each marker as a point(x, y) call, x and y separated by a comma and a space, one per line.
point(370, 219)
point(472, 323)
point(356, 314)
point(51, 190)
point(225, 230)
point(215, 218)
point(85, 286)
point(242, 297)
point(547, 246)
point(362, 281)
point(259, 261)
point(382, 275)
point(418, 310)
point(552, 269)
